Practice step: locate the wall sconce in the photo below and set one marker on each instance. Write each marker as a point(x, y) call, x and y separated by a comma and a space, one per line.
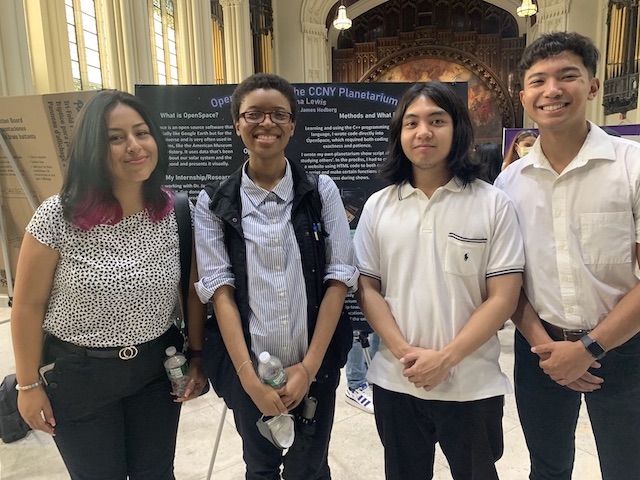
point(342, 22)
point(527, 8)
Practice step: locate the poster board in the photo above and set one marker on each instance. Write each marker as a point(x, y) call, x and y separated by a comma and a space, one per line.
point(341, 130)
point(37, 131)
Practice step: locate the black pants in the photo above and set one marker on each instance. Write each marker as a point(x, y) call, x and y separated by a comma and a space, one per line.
point(115, 418)
point(469, 433)
point(549, 414)
point(307, 457)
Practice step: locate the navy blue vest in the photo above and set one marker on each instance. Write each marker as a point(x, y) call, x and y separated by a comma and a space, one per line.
point(306, 210)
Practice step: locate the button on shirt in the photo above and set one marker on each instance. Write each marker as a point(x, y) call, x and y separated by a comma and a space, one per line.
point(277, 292)
point(579, 228)
point(433, 257)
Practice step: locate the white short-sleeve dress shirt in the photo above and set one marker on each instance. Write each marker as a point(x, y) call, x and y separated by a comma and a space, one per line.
point(580, 228)
point(433, 257)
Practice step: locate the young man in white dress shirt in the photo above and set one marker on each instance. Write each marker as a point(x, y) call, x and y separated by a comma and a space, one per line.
point(440, 260)
point(577, 196)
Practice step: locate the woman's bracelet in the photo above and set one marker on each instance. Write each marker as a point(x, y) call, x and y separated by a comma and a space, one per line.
point(242, 366)
point(31, 386)
point(306, 373)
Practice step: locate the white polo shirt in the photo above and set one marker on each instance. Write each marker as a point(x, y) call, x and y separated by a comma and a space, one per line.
point(432, 257)
point(580, 228)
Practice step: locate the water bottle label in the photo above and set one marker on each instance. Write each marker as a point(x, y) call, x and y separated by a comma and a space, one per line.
point(277, 381)
point(177, 372)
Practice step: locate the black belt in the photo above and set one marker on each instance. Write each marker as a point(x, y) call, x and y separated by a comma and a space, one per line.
point(559, 333)
point(127, 352)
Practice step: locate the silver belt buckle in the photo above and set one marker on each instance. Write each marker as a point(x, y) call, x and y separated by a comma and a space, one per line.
point(127, 353)
point(579, 331)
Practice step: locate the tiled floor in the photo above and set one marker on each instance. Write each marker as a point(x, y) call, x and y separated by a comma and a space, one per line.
point(355, 452)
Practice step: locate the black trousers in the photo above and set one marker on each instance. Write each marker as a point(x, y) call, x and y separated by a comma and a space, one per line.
point(549, 414)
point(114, 418)
point(307, 457)
point(469, 433)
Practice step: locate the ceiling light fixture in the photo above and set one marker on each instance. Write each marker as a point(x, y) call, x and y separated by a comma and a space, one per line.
point(342, 22)
point(527, 8)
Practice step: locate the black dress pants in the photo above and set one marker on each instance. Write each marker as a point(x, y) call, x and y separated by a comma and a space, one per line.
point(469, 434)
point(307, 457)
point(114, 418)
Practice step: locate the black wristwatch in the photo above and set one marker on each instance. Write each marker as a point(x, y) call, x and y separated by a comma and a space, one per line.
point(593, 347)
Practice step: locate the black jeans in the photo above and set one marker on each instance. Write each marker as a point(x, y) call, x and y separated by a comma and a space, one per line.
point(469, 433)
point(307, 457)
point(114, 418)
point(549, 414)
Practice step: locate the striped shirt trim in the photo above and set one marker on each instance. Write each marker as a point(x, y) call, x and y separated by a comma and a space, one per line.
point(370, 275)
point(465, 239)
point(504, 272)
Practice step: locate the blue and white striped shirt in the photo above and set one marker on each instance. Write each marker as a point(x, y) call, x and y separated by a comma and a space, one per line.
point(277, 293)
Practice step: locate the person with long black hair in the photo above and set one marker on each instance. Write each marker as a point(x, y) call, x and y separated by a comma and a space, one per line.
point(440, 259)
point(96, 285)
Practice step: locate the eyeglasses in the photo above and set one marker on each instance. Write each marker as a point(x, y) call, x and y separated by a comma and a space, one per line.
point(256, 116)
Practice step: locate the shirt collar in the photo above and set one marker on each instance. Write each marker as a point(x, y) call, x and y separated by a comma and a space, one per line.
point(597, 146)
point(405, 190)
point(257, 195)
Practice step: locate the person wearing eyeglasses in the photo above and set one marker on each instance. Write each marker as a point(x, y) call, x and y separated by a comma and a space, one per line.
point(277, 266)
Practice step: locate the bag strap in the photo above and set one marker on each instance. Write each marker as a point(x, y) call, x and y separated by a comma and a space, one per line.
point(316, 201)
point(185, 235)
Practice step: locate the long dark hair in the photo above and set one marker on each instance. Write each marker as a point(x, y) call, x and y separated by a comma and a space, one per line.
point(489, 157)
point(87, 192)
point(397, 168)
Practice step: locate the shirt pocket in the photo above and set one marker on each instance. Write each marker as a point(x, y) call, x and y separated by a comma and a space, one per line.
point(463, 256)
point(605, 238)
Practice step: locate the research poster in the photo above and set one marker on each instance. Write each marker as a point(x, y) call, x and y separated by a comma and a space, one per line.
point(342, 130)
point(36, 130)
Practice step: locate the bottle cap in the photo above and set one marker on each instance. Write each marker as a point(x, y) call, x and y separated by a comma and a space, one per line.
point(264, 357)
point(170, 351)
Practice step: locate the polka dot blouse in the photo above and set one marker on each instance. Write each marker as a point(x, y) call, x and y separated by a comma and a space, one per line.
point(114, 285)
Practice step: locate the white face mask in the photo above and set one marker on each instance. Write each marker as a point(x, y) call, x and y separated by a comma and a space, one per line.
point(278, 430)
point(522, 151)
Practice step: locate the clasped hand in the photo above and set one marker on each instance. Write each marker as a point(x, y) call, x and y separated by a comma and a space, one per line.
point(425, 368)
point(567, 363)
point(273, 402)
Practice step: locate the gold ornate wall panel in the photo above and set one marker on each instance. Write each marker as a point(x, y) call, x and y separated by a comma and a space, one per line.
point(480, 38)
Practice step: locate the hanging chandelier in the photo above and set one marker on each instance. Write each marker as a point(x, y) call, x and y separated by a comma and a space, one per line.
point(527, 8)
point(342, 22)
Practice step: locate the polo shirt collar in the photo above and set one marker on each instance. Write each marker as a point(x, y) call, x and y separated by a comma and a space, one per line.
point(405, 190)
point(597, 146)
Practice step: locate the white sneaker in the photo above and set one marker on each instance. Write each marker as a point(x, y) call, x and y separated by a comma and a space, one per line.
point(361, 397)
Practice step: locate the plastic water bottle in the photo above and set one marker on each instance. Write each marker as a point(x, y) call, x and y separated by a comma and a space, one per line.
point(271, 371)
point(177, 368)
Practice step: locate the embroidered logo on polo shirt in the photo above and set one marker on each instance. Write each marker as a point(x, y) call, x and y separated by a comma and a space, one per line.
point(466, 257)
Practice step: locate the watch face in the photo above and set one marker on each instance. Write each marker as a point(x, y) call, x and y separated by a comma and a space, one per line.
point(593, 347)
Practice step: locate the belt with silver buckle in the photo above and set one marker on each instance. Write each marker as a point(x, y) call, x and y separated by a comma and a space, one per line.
point(128, 352)
point(559, 333)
